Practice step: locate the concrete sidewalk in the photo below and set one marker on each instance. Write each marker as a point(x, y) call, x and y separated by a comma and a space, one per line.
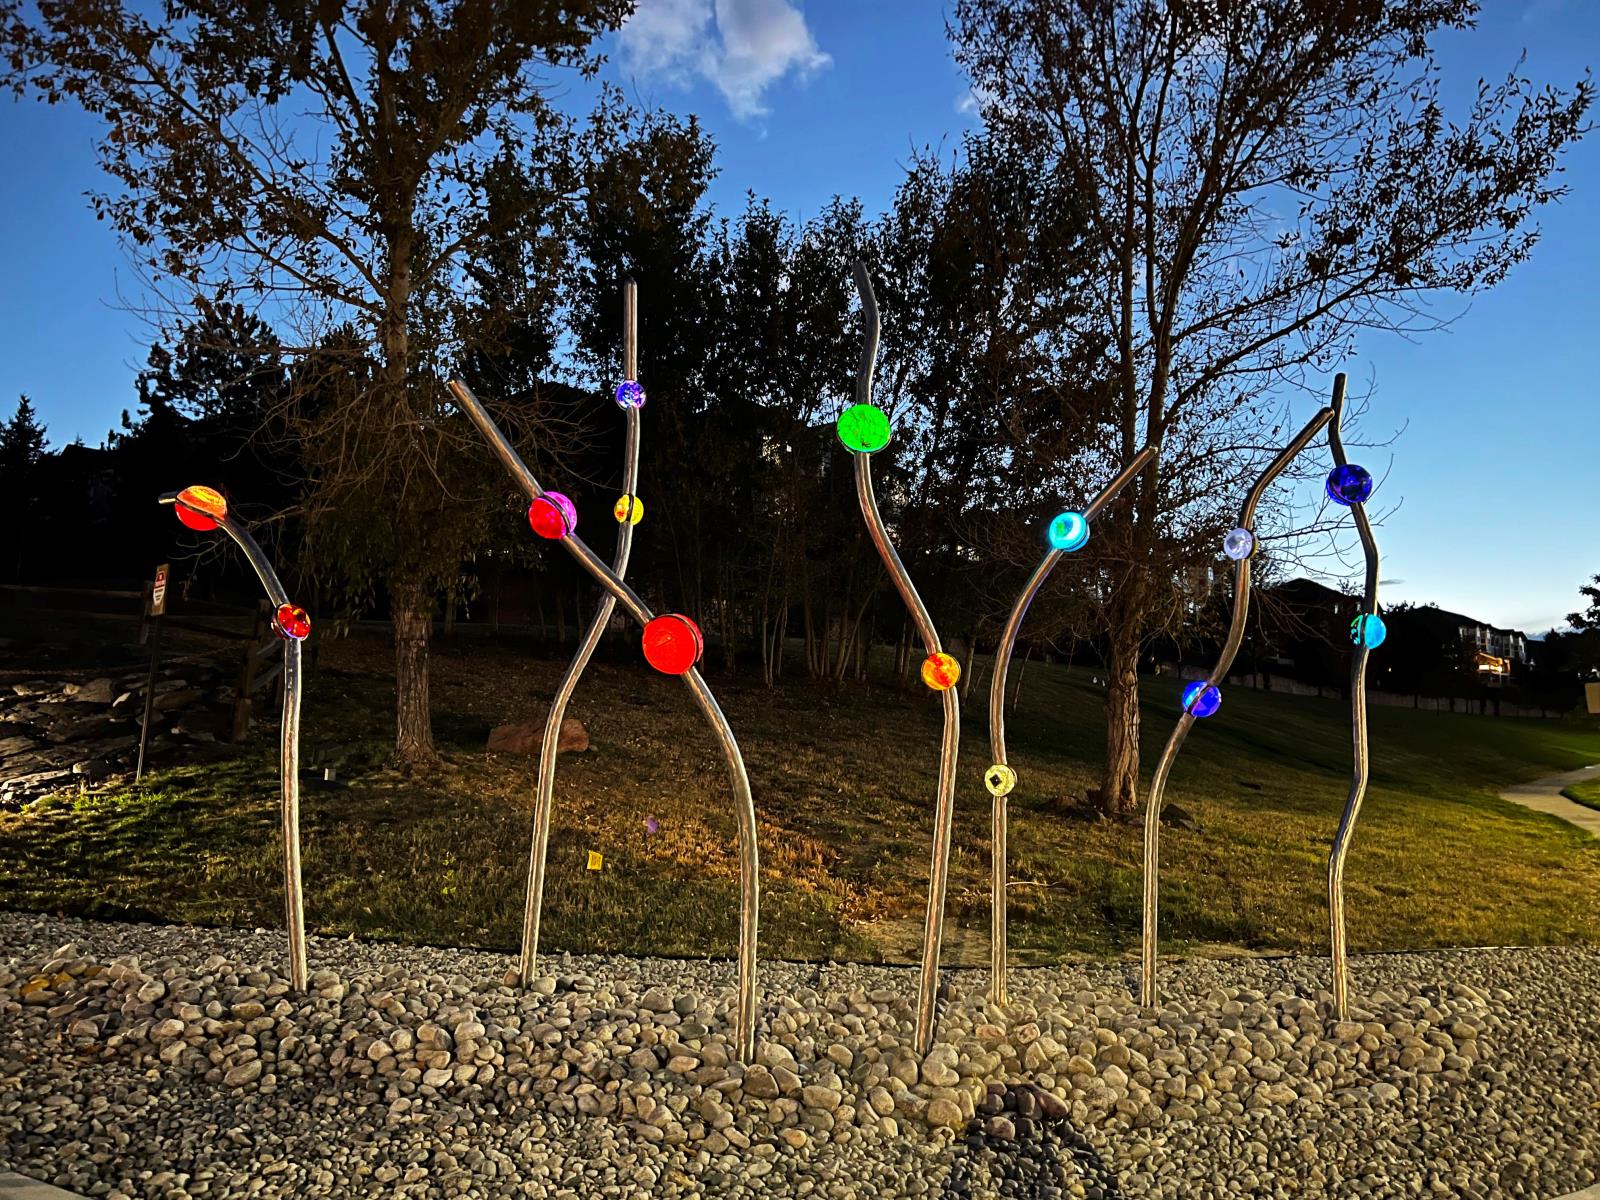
point(20, 1187)
point(1544, 795)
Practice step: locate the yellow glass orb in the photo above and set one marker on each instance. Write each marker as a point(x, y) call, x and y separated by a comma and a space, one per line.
point(999, 779)
point(940, 672)
point(628, 508)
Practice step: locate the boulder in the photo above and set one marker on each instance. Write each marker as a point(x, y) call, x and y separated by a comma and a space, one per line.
point(96, 691)
point(524, 737)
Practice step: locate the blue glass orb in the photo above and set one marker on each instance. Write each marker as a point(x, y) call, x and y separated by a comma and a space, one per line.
point(1368, 630)
point(1238, 543)
point(1069, 530)
point(1200, 700)
point(630, 394)
point(1349, 484)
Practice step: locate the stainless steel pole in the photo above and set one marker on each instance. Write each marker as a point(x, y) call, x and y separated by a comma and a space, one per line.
point(999, 873)
point(950, 744)
point(544, 796)
point(288, 746)
point(1358, 728)
point(744, 805)
point(1230, 649)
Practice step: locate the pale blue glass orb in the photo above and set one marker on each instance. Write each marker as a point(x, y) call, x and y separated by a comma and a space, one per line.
point(1069, 530)
point(1368, 630)
point(1200, 700)
point(1238, 543)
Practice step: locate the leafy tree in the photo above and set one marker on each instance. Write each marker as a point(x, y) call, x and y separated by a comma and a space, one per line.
point(1586, 621)
point(21, 450)
point(1261, 180)
point(335, 164)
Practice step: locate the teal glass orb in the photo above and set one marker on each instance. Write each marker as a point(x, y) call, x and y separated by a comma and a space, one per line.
point(1368, 630)
point(864, 428)
point(1069, 530)
point(1201, 700)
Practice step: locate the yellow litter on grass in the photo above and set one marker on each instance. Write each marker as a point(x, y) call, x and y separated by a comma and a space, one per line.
point(596, 860)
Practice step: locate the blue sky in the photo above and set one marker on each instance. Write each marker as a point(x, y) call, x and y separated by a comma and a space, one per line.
point(1494, 468)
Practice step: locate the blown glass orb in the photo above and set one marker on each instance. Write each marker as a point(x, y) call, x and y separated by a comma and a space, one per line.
point(1238, 543)
point(999, 779)
point(673, 644)
point(864, 428)
point(629, 394)
point(291, 621)
point(941, 672)
point(1068, 530)
point(1349, 484)
point(1201, 700)
point(552, 516)
point(201, 507)
point(1368, 630)
point(628, 508)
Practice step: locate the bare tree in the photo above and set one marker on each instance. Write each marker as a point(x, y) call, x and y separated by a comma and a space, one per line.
point(1263, 179)
point(339, 165)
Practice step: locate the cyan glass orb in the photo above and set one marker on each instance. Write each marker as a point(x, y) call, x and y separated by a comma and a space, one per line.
point(1368, 630)
point(1069, 530)
point(1349, 484)
point(864, 428)
point(630, 394)
point(1200, 700)
point(1238, 543)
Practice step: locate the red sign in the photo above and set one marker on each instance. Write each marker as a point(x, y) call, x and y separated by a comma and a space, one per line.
point(158, 592)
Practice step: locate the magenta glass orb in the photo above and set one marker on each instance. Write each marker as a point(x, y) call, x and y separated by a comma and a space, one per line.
point(552, 516)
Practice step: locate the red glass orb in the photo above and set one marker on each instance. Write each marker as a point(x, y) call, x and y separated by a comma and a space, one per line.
point(552, 516)
point(292, 621)
point(672, 644)
point(201, 507)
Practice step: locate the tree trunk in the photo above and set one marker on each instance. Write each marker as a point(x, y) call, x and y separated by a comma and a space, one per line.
point(1119, 785)
point(413, 742)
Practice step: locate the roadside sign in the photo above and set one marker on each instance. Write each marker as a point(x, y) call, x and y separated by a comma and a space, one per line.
point(1591, 692)
point(158, 592)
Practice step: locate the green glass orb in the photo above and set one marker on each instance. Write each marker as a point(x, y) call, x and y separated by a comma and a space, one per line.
point(864, 428)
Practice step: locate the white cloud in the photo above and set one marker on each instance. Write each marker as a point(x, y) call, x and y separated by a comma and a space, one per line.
point(973, 101)
point(741, 46)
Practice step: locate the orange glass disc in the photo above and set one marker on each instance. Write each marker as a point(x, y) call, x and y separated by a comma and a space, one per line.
point(941, 672)
point(201, 507)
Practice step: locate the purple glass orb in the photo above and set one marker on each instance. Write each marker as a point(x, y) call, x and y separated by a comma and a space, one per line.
point(1200, 700)
point(1349, 484)
point(630, 394)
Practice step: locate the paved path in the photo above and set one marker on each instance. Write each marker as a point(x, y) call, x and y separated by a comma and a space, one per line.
point(1544, 795)
point(20, 1187)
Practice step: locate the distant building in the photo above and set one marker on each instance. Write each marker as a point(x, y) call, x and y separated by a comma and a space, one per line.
point(1305, 631)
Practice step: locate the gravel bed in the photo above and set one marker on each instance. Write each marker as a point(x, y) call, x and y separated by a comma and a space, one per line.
point(154, 1061)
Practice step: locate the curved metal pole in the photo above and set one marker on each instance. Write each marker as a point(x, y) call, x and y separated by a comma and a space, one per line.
point(1358, 728)
point(1230, 649)
point(544, 796)
point(744, 805)
point(288, 749)
point(998, 872)
point(950, 744)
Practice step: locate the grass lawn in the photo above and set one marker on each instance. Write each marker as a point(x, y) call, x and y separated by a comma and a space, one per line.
point(1586, 793)
point(844, 782)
